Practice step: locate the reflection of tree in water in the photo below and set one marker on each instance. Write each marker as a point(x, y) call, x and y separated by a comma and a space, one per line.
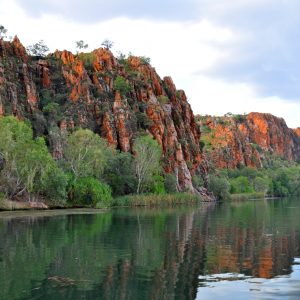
point(144, 254)
point(204, 244)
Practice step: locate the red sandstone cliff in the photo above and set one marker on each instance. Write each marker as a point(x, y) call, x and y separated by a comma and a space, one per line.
point(248, 140)
point(64, 91)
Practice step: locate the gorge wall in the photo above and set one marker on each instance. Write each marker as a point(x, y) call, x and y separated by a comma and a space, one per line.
point(116, 98)
point(248, 140)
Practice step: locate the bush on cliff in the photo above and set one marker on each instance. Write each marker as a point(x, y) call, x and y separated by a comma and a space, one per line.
point(121, 85)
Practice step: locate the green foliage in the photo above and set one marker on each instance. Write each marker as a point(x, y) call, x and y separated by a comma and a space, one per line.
point(163, 99)
point(88, 60)
point(145, 60)
point(147, 154)
point(153, 200)
point(107, 44)
point(38, 49)
point(248, 196)
point(55, 186)
point(158, 186)
point(219, 186)
point(239, 118)
point(170, 183)
point(261, 184)
point(197, 181)
point(29, 167)
point(3, 32)
point(121, 57)
point(89, 191)
point(119, 173)
point(202, 144)
point(51, 108)
point(81, 45)
point(121, 85)
point(143, 121)
point(240, 184)
point(279, 180)
point(86, 154)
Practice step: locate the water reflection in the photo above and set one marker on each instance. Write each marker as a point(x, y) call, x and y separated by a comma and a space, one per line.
point(147, 253)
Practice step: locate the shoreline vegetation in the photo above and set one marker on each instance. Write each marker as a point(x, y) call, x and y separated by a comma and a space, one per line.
point(131, 201)
point(147, 200)
point(90, 173)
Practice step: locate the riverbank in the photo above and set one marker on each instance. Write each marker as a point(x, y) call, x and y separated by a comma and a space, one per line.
point(148, 200)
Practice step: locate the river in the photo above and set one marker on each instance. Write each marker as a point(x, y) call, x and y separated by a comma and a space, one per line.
point(234, 250)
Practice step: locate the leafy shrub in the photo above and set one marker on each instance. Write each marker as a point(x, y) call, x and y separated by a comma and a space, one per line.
point(158, 186)
point(121, 85)
point(29, 167)
point(145, 60)
point(261, 184)
point(86, 154)
point(170, 184)
point(163, 99)
point(90, 191)
point(55, 186)
point(219, 186)
point(119, 173)
point(197, 181)
point(143, 121)
point(240, 185)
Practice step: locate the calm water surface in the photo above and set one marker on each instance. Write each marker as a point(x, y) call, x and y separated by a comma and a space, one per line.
point(244, 250)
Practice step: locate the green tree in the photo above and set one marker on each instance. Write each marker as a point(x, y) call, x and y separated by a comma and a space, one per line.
point(28, 166)
point(219, 186)
point(55, 185)
point(261, 184)
point(170, 183)
point(81, 45)
point(197, 181)
point(38, 49)
point(90, 191)
point(107, 44)
point(240, 184)
point(3, 32)
point(157, 185)
point(86, 154)
point(119, 173)
point(121, 85)
point(147, 154)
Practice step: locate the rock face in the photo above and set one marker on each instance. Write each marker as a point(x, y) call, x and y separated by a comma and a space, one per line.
point(248, 140)
point(116, 98)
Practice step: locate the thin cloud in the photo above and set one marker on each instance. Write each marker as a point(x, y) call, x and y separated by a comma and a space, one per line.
point(91, 11)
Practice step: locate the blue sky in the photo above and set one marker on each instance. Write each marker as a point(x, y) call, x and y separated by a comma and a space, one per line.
point(228, 55)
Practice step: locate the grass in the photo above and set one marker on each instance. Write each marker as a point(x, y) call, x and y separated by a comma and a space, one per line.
point(155, 200)
point(147, 200)
point(247, 196)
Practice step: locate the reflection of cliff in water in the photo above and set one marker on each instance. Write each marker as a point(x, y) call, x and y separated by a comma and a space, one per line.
point(214, 242)
point(145, 253)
